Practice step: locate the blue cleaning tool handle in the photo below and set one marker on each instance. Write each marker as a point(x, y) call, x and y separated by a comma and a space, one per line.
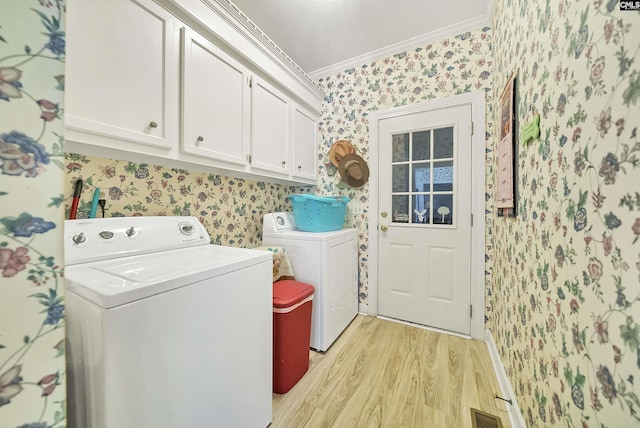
point(94, 203)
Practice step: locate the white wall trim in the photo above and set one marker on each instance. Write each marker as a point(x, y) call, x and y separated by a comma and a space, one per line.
point(248, 26)
point(412, 43)
point(363, 309)
point(513, 410)
point(477, 101)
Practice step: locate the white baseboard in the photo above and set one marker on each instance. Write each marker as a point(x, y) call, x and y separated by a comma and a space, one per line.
point(363, 308)
point(513, 410)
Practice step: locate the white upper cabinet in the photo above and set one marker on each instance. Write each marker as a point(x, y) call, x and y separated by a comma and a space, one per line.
point(186, 84)
point(270, 128)
point(120, 71)
point(215, 102)
point(304, 144)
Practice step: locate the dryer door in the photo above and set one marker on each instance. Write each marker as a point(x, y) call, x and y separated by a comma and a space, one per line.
point(342, 288)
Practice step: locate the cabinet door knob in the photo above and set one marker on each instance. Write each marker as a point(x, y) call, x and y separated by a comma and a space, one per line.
point(200, 139)
point(152, 124)
point(299, 166)
point(384, 228)
point(284, 163)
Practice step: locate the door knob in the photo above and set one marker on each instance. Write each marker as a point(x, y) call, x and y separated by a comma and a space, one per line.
point(383, 214)
point(384, 228)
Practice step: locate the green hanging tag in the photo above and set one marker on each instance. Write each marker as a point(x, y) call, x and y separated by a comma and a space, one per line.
point(530, 131)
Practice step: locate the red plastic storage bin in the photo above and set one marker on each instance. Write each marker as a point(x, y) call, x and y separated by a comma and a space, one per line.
point(292, 303)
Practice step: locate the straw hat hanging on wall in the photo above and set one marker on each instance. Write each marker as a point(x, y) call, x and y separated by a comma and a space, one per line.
point(339, 149)
point(353, 170)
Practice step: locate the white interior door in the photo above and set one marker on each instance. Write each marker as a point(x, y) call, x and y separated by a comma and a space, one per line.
point(425, 218)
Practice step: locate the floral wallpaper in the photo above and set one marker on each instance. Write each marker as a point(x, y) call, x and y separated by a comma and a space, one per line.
point(32, 363)
point(566, 269)
point(230, 209)
point(562, 276)
point(438, 70)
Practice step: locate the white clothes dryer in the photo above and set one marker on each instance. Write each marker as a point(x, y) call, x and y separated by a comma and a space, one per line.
point(164, 329)
point(326, 260)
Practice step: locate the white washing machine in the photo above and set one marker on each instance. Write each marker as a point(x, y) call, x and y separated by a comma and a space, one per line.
point(326, 260)
point(164, 329)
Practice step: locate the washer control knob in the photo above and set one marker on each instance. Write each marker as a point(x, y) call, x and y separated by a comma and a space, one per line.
point(130, 232)
point(79, 238)
point(106, 234)
point(186, 228)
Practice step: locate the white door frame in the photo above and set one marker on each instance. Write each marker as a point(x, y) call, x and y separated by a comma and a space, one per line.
point(477, 101)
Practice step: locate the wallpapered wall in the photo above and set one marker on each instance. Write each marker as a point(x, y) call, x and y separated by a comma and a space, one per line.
point(439, 70)
point(32, 365)
point(230, 209)
point(563, 296)
point(566, 269)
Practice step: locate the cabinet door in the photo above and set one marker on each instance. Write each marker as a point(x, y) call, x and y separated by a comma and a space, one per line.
point(270, 128)
point(216, 107)
point(120, 70)
point(304, 144)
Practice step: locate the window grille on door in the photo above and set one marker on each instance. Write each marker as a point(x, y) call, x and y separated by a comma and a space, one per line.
point(423, 177)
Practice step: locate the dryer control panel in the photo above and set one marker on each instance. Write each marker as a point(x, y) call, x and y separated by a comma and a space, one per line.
point(279, 222)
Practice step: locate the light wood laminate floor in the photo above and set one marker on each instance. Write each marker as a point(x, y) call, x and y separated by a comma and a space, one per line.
point(381, 373)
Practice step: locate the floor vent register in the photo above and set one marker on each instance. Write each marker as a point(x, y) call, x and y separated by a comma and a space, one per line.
point(484, 420)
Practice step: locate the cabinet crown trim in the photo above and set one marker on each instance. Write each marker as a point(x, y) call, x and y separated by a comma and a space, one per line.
point(248, 25)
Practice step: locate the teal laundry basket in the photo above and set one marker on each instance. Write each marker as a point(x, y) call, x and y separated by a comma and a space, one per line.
point(319, 213)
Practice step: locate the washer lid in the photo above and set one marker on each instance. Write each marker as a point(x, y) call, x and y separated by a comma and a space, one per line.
point(115, 282)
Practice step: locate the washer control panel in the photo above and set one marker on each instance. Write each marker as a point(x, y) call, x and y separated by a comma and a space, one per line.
point(106, 238)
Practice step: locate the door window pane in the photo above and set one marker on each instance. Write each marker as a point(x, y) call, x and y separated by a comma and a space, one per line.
point(400, 206)
point(421, 176)
point(400, 148)
point(400, 180)
point(421, 211)
point(443, 209)
point(443, 176)
point(421, 149)
point(443, 143)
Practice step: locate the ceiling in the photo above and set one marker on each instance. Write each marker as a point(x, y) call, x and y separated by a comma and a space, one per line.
point(323, 36)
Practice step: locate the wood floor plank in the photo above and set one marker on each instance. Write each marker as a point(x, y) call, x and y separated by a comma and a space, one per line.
point(381, 373)
point(456, 387)
point(437, 373)
point(370, 399)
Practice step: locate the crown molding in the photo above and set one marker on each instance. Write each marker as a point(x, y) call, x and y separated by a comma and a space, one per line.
point(412, 43)
point(242, 22)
